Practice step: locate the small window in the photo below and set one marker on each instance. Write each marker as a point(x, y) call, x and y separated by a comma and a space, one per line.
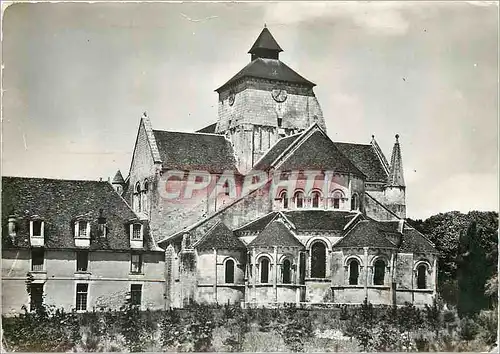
point(280, 122)
point(316, 197)
point(37, 228)
point(421, 277)
point(82, 261)
point(337, 198)
point(353, 272)
point(82, 229)
point(81, 296)
point(318, 260)
point(36, 296)
point(286, 271)
point(299, 199)
point(229, 272)
point(264, 270)
point(136, 294)
point(284, 200)
point(379, 272)
point(137, 232)
point(354, 202)
point(146, 186)
point(136, 263)
point(37, 259)
point(225, 188)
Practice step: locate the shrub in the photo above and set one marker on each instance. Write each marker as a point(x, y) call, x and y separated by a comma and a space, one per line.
point(488, 326)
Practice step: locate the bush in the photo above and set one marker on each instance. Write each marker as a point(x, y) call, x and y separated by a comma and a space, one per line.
point(488, 326)
point(45, 329)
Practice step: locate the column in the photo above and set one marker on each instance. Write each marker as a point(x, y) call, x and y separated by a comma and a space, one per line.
point(366, 270)
point(215, 275)
point(275, 280)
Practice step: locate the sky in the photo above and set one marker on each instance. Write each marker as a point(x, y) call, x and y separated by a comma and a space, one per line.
point(78, 76)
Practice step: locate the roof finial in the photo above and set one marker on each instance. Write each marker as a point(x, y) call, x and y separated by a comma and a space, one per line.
point(265, 26)
point(144, 115)
point(397, 137)
point(373, 136)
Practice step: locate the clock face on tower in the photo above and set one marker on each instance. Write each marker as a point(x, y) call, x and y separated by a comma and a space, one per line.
point(279, 95)
point(231, 98)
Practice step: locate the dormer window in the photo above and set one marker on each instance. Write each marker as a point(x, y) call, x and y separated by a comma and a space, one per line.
point(136, 235)
point(82, 233)
point(101, 225)
point(37, 232)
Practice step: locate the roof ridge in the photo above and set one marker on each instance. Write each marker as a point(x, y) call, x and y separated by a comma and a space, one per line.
point(194, 133)
point(255, 220)
point(57, 179)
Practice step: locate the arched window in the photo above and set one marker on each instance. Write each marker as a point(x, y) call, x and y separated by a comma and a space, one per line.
point(353, 272)
point(229, 272)
point(318, 260)
point(316, 197)
point(421, 277)
point(337, 199)
point(299, 199)
point(286, 271)
point(354, 202)
point(137, 197)
point(264, 270)
point(284, 199)
point(379, 272)
point(145, 190)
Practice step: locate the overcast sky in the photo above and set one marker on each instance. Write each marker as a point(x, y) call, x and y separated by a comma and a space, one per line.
point(77, 78)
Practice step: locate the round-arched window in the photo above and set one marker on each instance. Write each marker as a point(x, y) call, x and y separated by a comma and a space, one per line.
point(316, 198)
point(264, 270)
point(318, 260)
point(354, 202)
point(337, 199)
point(286, 271)
point(421, 277)
point(284, 199)
point(299, 199)
point(229, 272)
point(353, 272)
point(379, 272)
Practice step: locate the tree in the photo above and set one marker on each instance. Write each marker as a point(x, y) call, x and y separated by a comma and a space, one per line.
point(472, 273)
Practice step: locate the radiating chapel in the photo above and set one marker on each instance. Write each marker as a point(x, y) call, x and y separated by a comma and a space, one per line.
point(327, 228)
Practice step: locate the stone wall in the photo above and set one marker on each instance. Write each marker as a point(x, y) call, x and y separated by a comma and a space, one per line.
point(108, 277)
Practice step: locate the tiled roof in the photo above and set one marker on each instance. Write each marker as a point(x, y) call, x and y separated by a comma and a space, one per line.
point(265, 41)
point(270, 69)
point(258, 224)
point(208, 129)
point(220, 237)
point(415, 242)
point(265, 162)
point(58, 203)
point(195, 151)
point(365, 158)
point(365, 233)
point(396, 176)
point(318, 152)
point(276, 234)
point(118, 179)
point(319, 219)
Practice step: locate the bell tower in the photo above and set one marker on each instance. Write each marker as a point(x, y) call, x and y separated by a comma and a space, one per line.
point(263, 102)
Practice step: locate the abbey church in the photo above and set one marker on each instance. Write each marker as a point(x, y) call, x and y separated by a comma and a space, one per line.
point(259, 208)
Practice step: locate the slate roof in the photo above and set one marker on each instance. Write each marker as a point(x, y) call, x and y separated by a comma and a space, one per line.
point(396, 177)
point(220, 237)
point(58, 203)
point(258, 224)
point(304, 220)
point(270, 69)
point(415, 242)
point(365, 233)
point(118, 179)
point(272, 154)
point(195, 151)
point(319, 219)
point(208, 129)
point(365, 159)
point(276, 234)
point(265, 41)
point(318, 152)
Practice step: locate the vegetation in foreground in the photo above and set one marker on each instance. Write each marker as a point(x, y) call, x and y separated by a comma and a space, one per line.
point(230, 328)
